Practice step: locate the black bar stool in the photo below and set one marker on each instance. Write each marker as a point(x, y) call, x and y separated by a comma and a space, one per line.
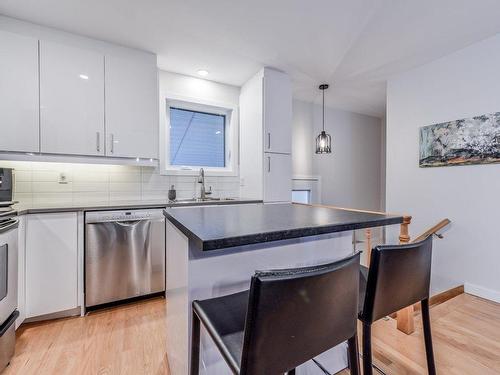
point(286, 318)
point(399, 276)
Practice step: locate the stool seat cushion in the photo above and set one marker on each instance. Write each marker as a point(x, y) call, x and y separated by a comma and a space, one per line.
point(363, 278)
point(224, 319)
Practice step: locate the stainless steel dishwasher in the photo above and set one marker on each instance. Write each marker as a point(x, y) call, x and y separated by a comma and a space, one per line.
point(124, 255)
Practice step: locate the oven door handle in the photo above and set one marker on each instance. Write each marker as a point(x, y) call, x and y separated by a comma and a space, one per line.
point(11, 224)
point(10, 320)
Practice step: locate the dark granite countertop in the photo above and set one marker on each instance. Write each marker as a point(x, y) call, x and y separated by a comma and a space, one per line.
point(117, 205)
point(213, 228)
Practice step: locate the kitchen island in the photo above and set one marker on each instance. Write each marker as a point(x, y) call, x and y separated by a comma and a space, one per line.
point(214, 250)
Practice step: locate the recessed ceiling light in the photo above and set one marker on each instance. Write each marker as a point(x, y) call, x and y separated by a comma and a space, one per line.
point(83, 76)
point(203, 72)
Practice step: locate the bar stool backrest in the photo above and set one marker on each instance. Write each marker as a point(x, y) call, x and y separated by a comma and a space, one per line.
point(399, 276)
point(296, 314)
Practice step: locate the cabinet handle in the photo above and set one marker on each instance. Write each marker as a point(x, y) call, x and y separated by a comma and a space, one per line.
point(269, 164)
point(98, 141)
point(268, 141)
point(112, 150)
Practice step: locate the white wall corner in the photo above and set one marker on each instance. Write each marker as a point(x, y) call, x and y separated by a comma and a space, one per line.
point(479, 291)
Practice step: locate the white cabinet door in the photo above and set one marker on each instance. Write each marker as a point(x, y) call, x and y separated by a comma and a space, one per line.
point(51, 263)
point(277, 177)
point(19, 127)
point(71, 100)
point(131, 108)
point(277, 112)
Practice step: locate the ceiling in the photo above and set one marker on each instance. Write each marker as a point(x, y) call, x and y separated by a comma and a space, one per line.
point(354, 45)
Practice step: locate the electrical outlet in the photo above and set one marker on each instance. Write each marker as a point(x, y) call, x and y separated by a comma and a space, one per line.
point(63, 179)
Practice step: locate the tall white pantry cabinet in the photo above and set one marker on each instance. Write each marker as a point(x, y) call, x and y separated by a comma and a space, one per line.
point(266, 137)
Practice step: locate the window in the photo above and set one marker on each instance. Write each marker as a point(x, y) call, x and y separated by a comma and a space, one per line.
point(196, 134)
point(301, 196)
point(197, 138)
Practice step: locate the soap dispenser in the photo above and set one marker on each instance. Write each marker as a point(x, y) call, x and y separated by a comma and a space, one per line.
point(172, 194)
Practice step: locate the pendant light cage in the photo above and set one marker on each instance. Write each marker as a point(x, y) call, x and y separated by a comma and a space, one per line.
point(323, 143)
point(323, 140)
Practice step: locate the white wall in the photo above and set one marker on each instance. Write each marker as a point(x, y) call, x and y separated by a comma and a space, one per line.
point(351, 174)
point(463, 84)
point(190, 88)
point(302, 138)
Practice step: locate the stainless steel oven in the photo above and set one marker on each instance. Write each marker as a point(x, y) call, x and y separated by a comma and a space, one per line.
point(124, 255)
point(8, 287)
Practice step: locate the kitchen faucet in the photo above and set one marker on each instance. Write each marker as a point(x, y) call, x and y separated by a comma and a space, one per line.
point(201, 180)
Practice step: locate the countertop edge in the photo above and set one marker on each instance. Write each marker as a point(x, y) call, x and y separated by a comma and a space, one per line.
point(132, 205)
point(224, 243)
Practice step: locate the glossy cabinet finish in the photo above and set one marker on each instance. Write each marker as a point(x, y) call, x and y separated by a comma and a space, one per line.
point(131, 107)
point(265, 136)
point(71, 100)
point(277, 177)
point(51, 263)
point(18, 93)
point(277, 112)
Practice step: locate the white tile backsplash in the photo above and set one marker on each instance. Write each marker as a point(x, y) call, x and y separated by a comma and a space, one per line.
point(37, 183)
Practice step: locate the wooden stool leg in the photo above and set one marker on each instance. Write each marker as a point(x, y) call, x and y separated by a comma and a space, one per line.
point(426, 322)
point(353, 355)
point(368, 239)
point(195, 345)
point(367, 349)
point(405, 322)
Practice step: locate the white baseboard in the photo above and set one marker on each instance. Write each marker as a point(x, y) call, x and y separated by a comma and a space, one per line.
point(476, 290)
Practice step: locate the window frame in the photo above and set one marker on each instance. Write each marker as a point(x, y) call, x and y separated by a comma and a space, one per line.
point(230, 137)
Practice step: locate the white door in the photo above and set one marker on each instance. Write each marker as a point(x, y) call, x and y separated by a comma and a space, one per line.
point(71, 100)
point(131, 108)
point(19, 127)
point(51, 263)
point(277, 112)
point(277, 177)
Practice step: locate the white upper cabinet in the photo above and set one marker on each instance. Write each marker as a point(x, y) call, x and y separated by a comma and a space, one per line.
point(18, 93)
point(131, 107)
point(71, 100)
point(277, 111)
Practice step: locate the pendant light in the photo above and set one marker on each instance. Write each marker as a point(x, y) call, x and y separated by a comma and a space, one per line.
point(323, 140)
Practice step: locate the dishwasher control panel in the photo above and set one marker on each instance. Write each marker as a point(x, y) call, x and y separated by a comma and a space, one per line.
point(123, 215)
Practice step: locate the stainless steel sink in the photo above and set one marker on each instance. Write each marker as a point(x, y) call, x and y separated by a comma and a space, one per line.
point(194, 200)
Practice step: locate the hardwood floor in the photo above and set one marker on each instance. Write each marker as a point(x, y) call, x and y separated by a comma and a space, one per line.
point(131, 340)
point(126, 340)
point(466, 337)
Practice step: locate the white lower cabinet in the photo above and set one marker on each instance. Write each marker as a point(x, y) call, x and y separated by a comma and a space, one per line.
point(51, 263)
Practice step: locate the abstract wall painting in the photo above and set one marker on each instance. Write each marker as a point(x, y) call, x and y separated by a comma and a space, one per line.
point(474, 140)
